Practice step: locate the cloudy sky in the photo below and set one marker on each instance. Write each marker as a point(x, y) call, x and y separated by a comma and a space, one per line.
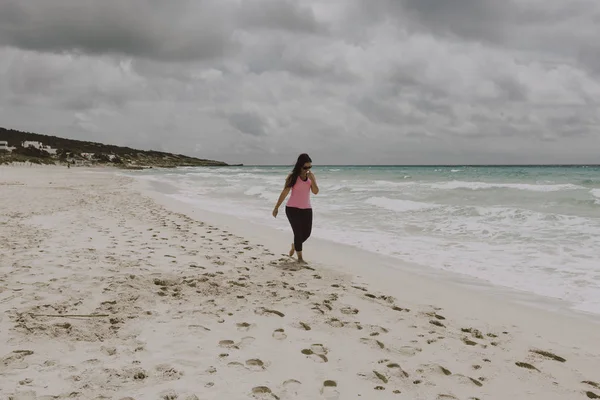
point(349, 81)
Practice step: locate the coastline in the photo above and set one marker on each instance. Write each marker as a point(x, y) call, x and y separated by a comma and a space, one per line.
point(376, 330)
point(534, 233)
point(459, 289)
point(343, 258)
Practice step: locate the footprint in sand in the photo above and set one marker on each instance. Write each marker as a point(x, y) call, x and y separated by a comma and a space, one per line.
point(349, 310)
point(291, 389)
point(263, 392)
point(266, 311)
point(376, 330)
point(24, 395)
point(376, 344)
point(236, 364)
point(246, 341)
point(336, 323)
point(394, 369)
point(15, 359)
point(167, 372)
point(169, 395)
point(409, 351)
point(329, 390)
point(230, 344)
point(244, 326)
point(255, 364)
point(279, 334)
point(316, 352)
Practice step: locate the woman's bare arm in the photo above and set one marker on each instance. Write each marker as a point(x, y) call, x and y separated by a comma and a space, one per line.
point(313, 186)
point(282, 196)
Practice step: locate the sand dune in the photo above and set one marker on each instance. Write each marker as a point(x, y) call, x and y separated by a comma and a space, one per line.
point(105, 294)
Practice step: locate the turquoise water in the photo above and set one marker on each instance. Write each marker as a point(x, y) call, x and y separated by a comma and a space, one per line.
point(535, 229)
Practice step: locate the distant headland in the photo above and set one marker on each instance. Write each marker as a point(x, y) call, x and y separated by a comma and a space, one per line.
point(17, 146)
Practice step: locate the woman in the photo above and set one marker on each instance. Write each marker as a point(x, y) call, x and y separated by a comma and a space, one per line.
point(298, 209)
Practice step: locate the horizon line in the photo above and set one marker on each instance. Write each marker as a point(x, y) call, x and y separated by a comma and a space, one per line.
point(430, 165)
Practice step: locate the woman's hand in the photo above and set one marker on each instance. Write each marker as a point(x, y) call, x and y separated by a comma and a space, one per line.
point(275, 212)
point(313, 183)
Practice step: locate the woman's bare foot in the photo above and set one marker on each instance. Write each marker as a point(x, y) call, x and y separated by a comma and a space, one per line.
point(300, 259)
point(292, 250)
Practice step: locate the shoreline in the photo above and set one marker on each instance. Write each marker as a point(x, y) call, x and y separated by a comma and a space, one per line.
point(196, 300)
point(537, 237)
point(338, 256)
point(325, 247)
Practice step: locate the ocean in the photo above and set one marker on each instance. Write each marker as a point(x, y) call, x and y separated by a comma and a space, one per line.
point(534, 228)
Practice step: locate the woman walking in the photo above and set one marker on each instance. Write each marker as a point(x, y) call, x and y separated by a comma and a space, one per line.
point(298, 209)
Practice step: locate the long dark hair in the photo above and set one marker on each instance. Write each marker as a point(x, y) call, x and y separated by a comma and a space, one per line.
point(302, 159)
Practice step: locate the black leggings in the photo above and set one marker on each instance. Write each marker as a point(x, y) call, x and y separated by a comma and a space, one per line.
point(301, 222)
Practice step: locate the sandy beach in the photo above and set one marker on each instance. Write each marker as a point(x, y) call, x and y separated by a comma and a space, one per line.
point(111, 291)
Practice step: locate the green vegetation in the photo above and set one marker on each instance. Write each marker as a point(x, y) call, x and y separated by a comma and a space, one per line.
point(69, 150)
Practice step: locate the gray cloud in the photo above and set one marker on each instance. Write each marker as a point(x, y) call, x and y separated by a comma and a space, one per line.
point(352, 81)
point(248, 122)
point(558, 28)
point(284, 15)
point(474, 19)
point(179, 30)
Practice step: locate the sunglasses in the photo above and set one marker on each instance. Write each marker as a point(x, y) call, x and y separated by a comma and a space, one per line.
point(306, 168)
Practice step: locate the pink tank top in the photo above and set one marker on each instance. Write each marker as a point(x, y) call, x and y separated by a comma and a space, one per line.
point(300, 197)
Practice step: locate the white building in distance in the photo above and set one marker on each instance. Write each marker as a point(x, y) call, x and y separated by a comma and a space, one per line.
point(39, 146)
